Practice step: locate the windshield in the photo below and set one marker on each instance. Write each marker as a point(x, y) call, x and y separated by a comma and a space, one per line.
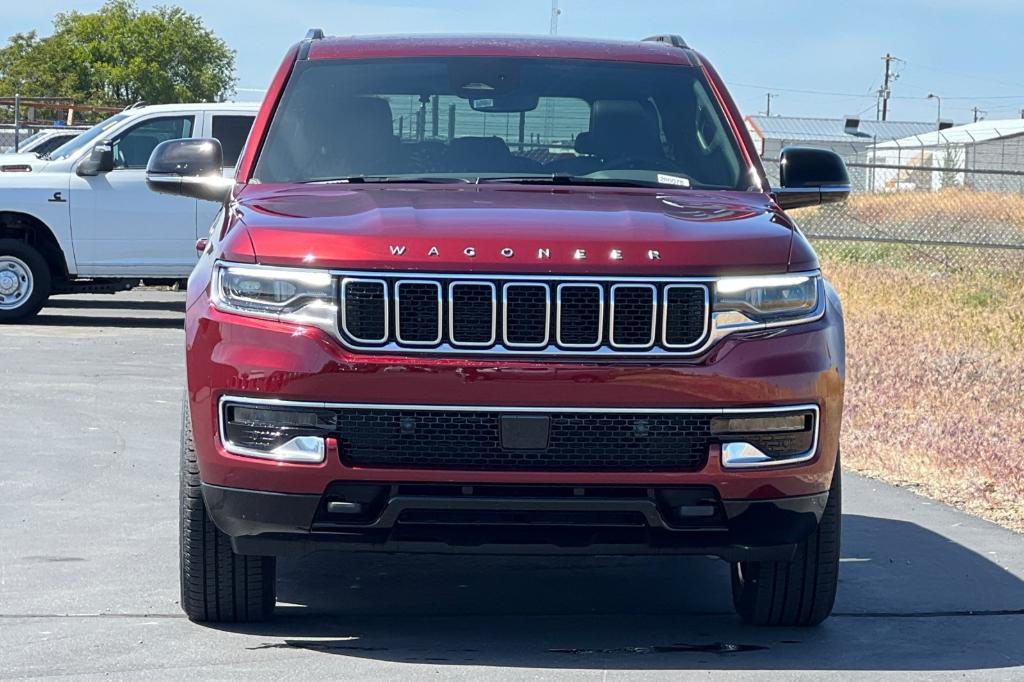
point(71, 147)
point(480, 118)
point(25, 144)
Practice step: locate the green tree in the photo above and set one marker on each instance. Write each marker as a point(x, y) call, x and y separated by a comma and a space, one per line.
point(119, 55)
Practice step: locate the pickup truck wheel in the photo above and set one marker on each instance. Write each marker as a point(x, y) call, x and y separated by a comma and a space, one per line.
point(24, 280)
point(217, 585)
point(800, 592)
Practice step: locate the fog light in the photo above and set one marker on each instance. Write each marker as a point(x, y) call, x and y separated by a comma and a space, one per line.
point(760, 423)
point(284, 435)
point(756, 439)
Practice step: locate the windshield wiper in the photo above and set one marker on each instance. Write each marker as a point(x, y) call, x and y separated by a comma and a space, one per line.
point(361, 179)
point(556, 179)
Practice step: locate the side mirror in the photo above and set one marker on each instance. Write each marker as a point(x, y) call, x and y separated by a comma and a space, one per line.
point(100, 159)
point(810, 177)
point(189, 168)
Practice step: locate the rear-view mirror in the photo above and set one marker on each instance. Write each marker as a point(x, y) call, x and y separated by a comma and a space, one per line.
point(504, 104)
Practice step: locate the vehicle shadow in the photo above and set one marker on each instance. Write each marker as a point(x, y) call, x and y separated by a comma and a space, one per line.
point(166, 312)
point(910, 599)
point(105, 321)
point(177, 305)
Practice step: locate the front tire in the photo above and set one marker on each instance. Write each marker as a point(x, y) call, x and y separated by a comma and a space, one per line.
point(800, 592)
point(24, 280)
point(217, 585)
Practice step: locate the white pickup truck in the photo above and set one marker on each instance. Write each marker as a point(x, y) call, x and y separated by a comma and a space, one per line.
point(80, 219)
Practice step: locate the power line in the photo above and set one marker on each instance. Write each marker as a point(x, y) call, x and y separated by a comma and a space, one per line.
point(963, 75)
point(856, 95)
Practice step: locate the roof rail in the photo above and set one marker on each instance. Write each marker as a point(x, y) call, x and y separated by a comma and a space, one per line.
point(311, 35)
point(672, 39)
point(135, 105)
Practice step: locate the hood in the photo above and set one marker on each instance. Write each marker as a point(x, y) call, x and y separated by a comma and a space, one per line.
point(514, 228)
point(25, 159)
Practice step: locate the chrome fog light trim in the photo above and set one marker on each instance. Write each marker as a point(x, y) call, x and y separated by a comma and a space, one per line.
point(301, 449)
point(738, 455)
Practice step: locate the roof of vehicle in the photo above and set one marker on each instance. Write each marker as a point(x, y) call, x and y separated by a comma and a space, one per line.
point(359, 47)
point(201, 106)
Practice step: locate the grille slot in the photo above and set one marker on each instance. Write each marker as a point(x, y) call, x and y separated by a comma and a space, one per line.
point(580, 315)
point(578, 441)
point(527, 314)
point(633, 315)
point(684, 316)
point(364, 310)
point(418, 312)
point(473, 315)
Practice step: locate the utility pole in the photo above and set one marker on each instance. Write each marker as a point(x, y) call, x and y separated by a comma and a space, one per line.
point(554, 17)
point(768, 108)
point(977, 111)
point(890, 76)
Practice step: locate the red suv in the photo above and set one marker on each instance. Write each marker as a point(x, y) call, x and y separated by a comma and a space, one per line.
point(513, 295)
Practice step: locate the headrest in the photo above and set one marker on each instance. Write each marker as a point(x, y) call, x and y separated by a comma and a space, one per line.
point(365, 116)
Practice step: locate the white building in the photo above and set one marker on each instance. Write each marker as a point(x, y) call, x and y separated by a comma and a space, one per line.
point(944, 159)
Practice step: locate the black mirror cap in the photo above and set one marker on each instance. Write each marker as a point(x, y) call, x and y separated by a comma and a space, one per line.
point(99, 160)
point(189, 168)
point(188, 157)
point(809, 177)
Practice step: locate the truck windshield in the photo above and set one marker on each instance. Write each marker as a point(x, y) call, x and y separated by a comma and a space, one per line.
point(483, 119)
point(72, 147)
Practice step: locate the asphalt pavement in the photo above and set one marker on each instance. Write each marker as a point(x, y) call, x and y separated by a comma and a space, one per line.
point(89, 415)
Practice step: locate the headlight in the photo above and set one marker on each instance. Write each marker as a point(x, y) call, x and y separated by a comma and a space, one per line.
point(775, 299)
point(286, 294)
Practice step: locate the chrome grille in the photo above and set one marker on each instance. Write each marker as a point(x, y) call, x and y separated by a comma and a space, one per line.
point(633, 314)
point(580, 315)
point(473, 313)
point(682, 317)
point(418, 312)
point(523, 314)
point(364, 310)
point(526, 307)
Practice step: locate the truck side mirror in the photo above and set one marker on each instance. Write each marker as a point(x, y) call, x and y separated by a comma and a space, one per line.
point(100, 159)
point(809, 177)
point(189, 168)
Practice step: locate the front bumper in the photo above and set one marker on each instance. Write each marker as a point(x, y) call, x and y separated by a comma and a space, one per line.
point(519, 520)
point(231, 355)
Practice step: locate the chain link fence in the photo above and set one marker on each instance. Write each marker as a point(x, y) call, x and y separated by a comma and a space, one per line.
point(946, 201)
point(8, 133)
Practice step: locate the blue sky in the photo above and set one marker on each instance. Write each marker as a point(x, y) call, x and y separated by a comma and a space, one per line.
point(966, 52)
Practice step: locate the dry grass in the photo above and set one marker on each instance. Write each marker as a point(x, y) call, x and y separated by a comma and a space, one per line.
point(949, 207)
point(935, 383)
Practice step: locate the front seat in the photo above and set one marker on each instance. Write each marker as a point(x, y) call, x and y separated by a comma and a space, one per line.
point(623, 129)
point(356, 139)
point(486, 155)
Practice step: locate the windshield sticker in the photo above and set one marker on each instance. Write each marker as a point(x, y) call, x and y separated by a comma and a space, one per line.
point(673, 180)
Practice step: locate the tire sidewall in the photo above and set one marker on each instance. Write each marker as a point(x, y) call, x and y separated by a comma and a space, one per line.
point(41, 279)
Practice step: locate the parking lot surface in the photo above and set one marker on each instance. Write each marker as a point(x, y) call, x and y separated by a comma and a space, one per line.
point(89, 411)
